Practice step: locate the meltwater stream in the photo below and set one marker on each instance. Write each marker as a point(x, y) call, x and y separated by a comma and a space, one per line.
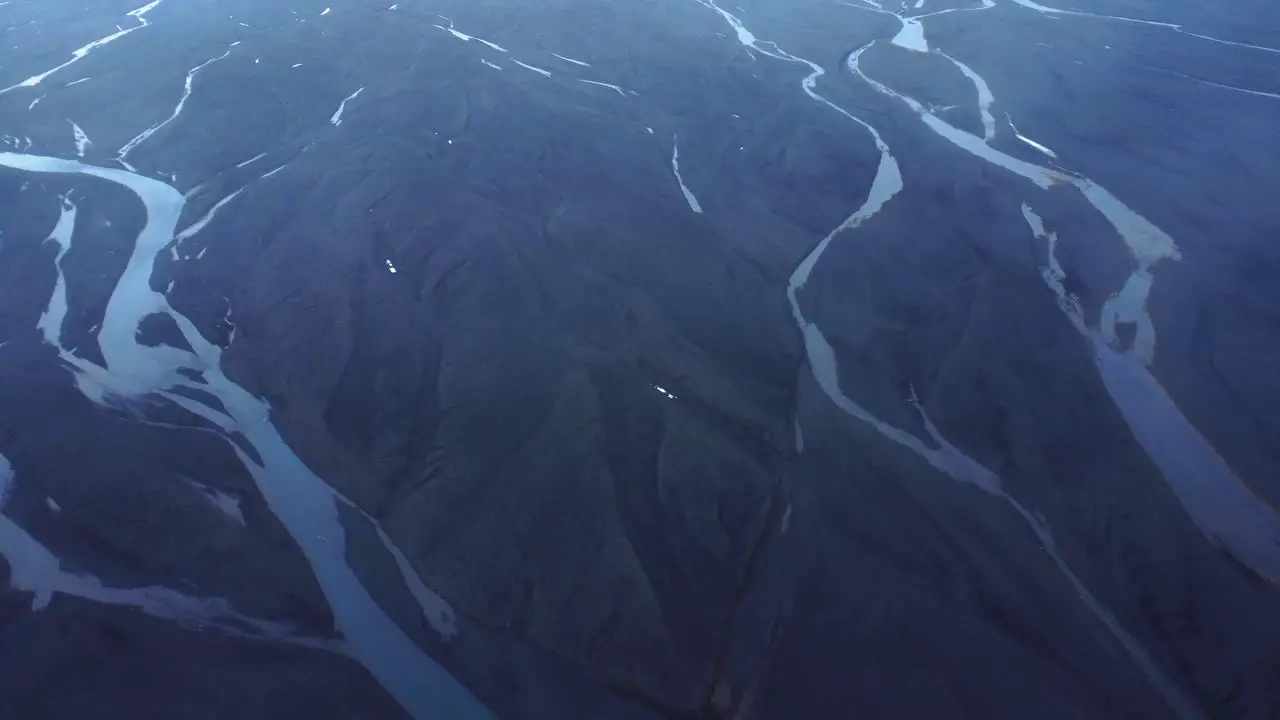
point(1217, 501)
point(942, 455)
point(1220, 504)
point(304, 503)
point(35, 569)
point(139, 16)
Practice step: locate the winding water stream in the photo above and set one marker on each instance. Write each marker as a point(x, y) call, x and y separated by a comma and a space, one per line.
point(1148, 245)
point(1217, 501)
point(1215, 498)
point(304, 503)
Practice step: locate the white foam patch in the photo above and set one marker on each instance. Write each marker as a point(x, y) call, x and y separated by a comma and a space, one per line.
point(675, 169)
point(540, 71)
point(1036, 145)
point(911, 36)
point(468, 38)
point(615, 88)
point(82, 140)
point(337, 115)
point(251, 160)
point(571, 60)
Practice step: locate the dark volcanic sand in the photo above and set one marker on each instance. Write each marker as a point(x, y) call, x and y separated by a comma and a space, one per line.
point(486, 359)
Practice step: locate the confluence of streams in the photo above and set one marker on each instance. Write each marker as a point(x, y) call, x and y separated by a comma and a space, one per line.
point(1218, 501)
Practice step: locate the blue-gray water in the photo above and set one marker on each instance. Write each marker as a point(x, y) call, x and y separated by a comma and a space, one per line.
point(624, 359)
